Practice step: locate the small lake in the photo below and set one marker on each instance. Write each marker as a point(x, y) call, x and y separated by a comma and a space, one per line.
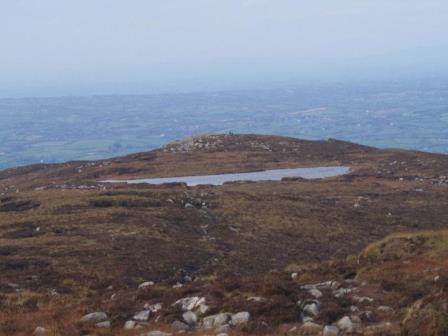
point(265, 175)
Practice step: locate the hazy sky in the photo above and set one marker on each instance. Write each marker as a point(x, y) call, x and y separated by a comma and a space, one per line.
point(89, 43)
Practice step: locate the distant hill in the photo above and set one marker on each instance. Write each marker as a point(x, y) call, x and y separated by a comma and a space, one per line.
point(387, 113)
point(297, 255)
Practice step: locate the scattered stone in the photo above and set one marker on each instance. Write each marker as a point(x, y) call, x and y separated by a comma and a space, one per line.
point(385, 309)
point(316, 293)
point(334, 284)
point(40, 331)
point(341, 292)
point(367, 315)
point(349, 325)
point(256, 299)
point(146, 284)
point(208, 322)
point(129, 325)
point(180, 326)
point(293, 329)
point(294, 275)
point(307, 319)
point(354, 309)
point(215, 321)
point(330, 331)
point(203, 308)
point(362, 299)
point(311, 327)
point(351, 281)
point(190, 303)
point(225, 328)
point(240, 318)
point(142, 316)
point(105, 324)
point(94, 318)
point(153, 308)
point(190, 317)
point(311, 309)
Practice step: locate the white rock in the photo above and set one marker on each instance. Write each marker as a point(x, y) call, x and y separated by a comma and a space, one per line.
point(40, 331)
point(354, 309)
point(316, 293)
point(330, 331)
point(190, 303)
point(215, 321)
point(256, 299)
point(240, 318)
point(367, 315)
point(362, 299)
point(153, 308)
point(203, 308)
point(341, 292)
point(129, 325)
point(349, 325)
point(225, 328)
point(105, 324)
point(385, 309)
point(307, 319)
point(142, 316)
point(311, 309)
point(178, 325)
point(345, 324)
point(190, 317)
point(92, 318)
point(146, 284)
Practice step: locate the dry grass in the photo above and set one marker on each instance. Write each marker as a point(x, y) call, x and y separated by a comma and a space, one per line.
point(79, 242)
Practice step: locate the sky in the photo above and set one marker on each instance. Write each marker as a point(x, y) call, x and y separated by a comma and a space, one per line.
point(53, 47)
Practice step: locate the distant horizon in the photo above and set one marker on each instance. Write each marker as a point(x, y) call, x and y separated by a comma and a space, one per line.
point(142, 88)
point(54, 48)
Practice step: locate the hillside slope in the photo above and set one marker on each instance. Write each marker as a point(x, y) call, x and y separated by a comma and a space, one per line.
point(70, 241)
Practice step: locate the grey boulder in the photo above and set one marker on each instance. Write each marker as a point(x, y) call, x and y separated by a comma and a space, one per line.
point(240, 318)
point(94, 318)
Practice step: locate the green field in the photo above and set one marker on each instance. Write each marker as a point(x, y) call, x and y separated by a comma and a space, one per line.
point(407, 114)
